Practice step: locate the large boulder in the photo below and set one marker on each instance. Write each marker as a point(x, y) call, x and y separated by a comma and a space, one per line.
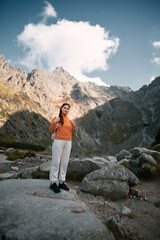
point(79, 168)
point(30, 210)
point(122, 154)
point(147, 158)
point(111, 181)
point(137, 151)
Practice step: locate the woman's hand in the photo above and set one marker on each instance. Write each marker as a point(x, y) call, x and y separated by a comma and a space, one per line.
point(56, 120)
point(72, 123)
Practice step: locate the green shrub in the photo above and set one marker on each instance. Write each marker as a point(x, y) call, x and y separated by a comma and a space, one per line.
point(29, 154)
point(19, 155)
point(22, 145)
point(14, 156)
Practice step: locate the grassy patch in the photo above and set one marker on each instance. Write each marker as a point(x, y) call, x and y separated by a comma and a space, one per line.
point(19, 155)
point(21, 145)
point(38, 174)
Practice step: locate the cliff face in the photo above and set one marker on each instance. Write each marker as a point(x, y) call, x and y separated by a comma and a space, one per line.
point(108, 117)
point(127, 121)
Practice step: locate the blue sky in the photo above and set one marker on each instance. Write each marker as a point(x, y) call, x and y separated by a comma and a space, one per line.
point(117, 42)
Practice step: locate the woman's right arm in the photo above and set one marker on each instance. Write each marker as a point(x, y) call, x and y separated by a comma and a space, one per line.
point(52, 127)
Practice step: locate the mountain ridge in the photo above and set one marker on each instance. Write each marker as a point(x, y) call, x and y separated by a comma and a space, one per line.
point(108, 118)
point(59, 84)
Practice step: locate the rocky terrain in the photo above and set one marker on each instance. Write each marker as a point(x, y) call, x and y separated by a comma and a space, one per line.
point(106, 199)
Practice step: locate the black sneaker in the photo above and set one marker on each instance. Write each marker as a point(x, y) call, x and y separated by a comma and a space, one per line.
point(55, 188)
point(63, 186)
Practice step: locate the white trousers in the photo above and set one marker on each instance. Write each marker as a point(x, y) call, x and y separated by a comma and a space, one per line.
point(60, 156)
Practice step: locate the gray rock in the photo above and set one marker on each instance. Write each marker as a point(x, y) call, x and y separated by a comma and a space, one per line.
point(11, 150)
point(113, 225)
point(147, 158)
point(137, 151)
point(8, 175)
point(45, 166)
point(122, 154)
point(38, 172)
point(14, 169)
point(126, 210)
point(3, 159)
point(112, 159)
point(79, 168)
point(28, 173)
point(29, 210)
point(112, 182)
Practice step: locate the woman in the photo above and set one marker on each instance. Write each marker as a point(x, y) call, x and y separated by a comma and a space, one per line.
point(61, 148)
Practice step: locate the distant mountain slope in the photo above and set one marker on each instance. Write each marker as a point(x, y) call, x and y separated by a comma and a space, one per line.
point(21, 119)
point(108, 118)
point(127, 121)
point(50, 90)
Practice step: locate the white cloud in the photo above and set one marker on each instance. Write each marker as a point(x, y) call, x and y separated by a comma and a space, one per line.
point(152, 78)
point(78, 47)
point(156, 44)
point(48, 11)
point(156, 60)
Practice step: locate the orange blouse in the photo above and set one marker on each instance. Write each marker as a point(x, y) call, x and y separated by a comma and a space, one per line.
point(63, 132)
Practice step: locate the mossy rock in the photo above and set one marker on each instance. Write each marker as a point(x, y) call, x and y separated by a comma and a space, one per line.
point(113, 227)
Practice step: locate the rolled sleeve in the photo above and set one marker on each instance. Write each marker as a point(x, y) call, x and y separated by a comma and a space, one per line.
point(52, 127)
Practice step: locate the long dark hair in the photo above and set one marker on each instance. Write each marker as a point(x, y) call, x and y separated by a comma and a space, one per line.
point(60, 113)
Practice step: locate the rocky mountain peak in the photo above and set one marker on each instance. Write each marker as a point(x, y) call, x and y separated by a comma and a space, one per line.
point(59, 69)
point(36, 71)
